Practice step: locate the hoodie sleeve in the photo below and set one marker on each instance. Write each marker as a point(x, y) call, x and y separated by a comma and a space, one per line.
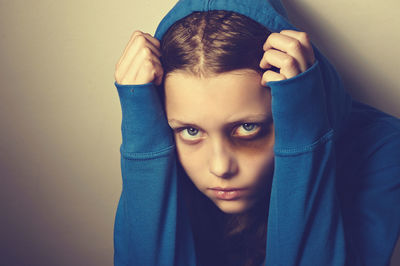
point(369, 184)
point(150, 223)
point(305, 224)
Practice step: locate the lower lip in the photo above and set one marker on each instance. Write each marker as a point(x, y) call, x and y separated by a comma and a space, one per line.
point(227, 195)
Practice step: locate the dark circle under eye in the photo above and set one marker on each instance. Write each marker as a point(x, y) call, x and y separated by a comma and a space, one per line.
point(192, 131)
point(248, 126)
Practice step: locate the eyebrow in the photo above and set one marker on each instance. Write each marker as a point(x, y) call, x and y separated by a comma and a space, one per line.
point(257, 118)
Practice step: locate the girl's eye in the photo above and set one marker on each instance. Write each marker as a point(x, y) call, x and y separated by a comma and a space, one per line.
point(190, 134)
point(247, 130)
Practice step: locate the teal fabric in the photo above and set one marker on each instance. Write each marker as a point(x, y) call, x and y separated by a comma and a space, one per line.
point(336, 184)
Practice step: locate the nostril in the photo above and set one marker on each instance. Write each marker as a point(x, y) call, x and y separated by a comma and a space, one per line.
point(222, 175)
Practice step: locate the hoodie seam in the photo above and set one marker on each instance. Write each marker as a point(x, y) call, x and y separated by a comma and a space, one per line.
point(286, 152)
point(147, 155)
point(209, 4)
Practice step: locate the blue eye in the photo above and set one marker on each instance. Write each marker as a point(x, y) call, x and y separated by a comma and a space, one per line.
point(248, 126)
point(192, 131)
point(247, 130)
point(190, 134)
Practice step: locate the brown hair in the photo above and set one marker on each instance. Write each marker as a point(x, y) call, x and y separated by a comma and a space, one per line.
point(204, 44)
point(213, 42)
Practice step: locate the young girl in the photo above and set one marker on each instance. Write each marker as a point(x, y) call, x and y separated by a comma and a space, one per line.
point(241, 147)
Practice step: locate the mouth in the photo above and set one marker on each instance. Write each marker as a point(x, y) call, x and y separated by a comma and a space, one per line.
point(227, 193)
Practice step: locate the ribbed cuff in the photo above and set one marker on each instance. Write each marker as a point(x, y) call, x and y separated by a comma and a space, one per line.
point(299, 110)
point(144, 126)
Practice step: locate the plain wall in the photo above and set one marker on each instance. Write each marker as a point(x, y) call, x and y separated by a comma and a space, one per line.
point(60, 179)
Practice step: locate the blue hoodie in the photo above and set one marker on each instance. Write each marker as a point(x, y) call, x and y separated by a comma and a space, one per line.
point(336, 185)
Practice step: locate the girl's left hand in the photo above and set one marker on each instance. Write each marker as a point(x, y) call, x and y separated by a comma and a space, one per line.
point(290, 51)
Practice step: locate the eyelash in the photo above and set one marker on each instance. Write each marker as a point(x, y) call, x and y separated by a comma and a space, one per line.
point(248, 137)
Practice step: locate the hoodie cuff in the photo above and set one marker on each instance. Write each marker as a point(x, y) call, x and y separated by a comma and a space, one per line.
point(299, 111)
point(144, 125)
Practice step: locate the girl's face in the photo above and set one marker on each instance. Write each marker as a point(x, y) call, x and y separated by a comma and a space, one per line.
point(224, 135)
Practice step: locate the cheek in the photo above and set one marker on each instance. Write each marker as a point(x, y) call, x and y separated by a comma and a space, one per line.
point(257, 159)
point(192, 161)
point(258, 148)
point(258, 167)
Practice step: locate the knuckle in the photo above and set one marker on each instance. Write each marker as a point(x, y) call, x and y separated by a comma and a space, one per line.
point(261, 63)
point(136, 33)
point(146, 51)
point(295, 45)
point(153, 38)
point(274, 34)
point(304, 37)
point(289, 62)
point(265, 76)
point(269, 74)
point(267, 54)
point(140, 39)
point(148, 64)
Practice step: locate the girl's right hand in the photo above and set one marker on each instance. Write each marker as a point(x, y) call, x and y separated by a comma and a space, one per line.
point(140, 63)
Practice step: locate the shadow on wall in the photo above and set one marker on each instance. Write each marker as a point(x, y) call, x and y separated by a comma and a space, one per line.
point(350, 64)
point(363, 77)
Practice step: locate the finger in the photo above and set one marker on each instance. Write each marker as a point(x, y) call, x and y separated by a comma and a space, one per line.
point(289, 45)
point(138, 40)
point(138, 51)
point(153, 40)
point(270, 75)
point(153, 48)
point(143, 61)
point(129, 45)
point(131, 71)
point(151, 71)
point(304, 39)
point(141, 47)
point(143, 70)
point(134, 34)
point(264, 64)
point(287, 64)
point(131, 50)
point(159, 74)
point(152, 43)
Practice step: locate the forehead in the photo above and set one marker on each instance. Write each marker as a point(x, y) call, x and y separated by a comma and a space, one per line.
point(223, 97)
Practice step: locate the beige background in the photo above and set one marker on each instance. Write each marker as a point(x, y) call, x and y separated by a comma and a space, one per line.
point(60, 115)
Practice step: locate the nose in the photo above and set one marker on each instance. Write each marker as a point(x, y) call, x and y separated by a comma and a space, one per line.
point(222, 160)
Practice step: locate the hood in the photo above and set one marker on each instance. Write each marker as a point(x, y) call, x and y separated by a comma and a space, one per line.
point(272, 15)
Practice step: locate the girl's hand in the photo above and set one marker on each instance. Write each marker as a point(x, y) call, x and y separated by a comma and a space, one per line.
point(290, 51)
point(140, 63)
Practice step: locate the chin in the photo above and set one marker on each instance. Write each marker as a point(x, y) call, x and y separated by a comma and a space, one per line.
point(232, 207)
